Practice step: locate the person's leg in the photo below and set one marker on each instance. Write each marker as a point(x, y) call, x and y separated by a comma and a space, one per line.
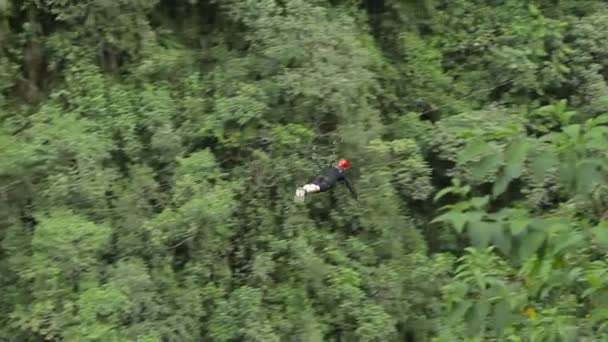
point(319, 184)
point(316, 185)
point(303, 190)
point(311, 188)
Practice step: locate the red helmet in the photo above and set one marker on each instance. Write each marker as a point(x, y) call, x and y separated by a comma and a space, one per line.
point(343, 163)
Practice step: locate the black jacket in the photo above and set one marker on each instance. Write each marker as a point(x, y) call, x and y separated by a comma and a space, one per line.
point(330, 176)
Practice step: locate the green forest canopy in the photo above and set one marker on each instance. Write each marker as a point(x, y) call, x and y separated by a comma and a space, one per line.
point(150, 151)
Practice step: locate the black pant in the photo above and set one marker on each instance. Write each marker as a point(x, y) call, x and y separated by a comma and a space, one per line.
point(323, 182)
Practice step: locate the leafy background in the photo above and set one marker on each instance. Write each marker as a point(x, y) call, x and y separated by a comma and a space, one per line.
point(151, 149)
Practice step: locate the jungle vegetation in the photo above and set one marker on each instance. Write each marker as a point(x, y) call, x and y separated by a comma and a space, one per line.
point(150, 150)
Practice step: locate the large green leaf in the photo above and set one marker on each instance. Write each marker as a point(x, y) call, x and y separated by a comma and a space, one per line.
point(501, 184)
point(456, 218)
point(515, 154)
point(501, 315)
point(479, 202)
point(473, 149)
point(518, 225)
point(567, 240)
point(596, 138)
point(478, 315)
point(541, 164)
point(573, 131)
point(530, 243)
point(461, 309)
point(481, 232)
point(486, 165)
point(502, 240)
point(588, 175)
point(600, 234)
point(514, 157)
point(567, 170)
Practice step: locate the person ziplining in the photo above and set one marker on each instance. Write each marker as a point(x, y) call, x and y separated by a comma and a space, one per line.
point(326, 180)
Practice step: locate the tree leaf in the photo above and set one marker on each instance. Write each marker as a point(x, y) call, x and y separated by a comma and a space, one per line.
point(566, 240)
point(515, 155)
point(486, 165)
point(479, 202)
point(599, 314)
point(588, 174)
point(573, 131)
point(596, 138)
point(501, 184)
point(550, 137)
point(517, 151)
point(473, 216)
point(480, 232)
point(600, 234)
point(502, 240)
point(568, 332)
point(596, 144)
point(567, 170)
point(456, 218)
point(530, 243)
point(541, 164)
point(479, 313)
point(472, 150)
point(442, 193)
point(501, 315)
point(461, 309)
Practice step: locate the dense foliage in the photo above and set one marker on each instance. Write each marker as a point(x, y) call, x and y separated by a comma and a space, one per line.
point(150, 151)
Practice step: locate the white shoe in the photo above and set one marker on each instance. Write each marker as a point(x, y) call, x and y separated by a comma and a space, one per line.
point(300, 194)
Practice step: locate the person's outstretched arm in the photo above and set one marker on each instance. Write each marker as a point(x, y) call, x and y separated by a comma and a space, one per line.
point(350, 187)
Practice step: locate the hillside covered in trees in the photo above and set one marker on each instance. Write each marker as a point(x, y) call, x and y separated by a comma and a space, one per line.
point(150, 150)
